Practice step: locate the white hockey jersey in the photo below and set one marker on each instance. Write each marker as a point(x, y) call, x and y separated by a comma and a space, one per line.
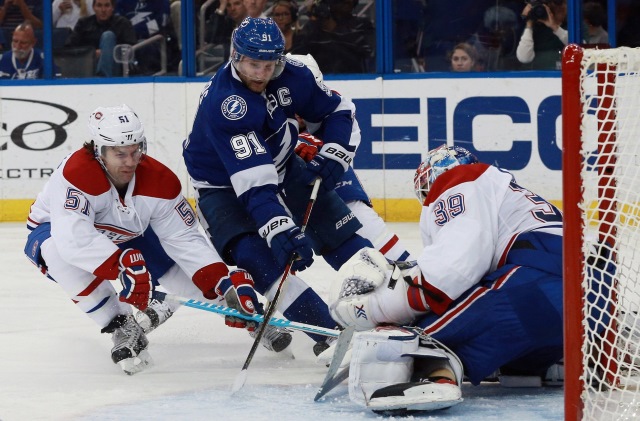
point(470, 217)
point(88, 217)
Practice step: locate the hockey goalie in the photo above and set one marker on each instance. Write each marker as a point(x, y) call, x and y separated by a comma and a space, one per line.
point(484, 294)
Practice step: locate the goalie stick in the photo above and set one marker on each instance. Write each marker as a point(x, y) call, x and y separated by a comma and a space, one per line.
point(333, 377)
point(241, 378)
point(228, 311)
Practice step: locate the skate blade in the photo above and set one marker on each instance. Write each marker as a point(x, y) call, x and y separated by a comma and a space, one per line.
point(136, 364)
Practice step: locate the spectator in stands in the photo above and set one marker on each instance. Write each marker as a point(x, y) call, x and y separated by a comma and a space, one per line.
point(23, 61)
point(629, 32)
point(149, 18)
point(103, 31)
point(543, 38)
point(463, 58)
point(255, 8)
point(15, 12)
point(285, 15)
point(174, 15)
point(594, 17)
point(340, 41)
point(65, 13)
point(496, 40)
point(224, 20)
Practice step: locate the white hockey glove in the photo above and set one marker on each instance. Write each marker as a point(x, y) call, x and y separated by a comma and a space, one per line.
point(369, 291)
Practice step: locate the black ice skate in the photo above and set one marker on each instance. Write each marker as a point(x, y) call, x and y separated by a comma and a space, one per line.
point(129, 344)
point(274, 338)
point(157, 313)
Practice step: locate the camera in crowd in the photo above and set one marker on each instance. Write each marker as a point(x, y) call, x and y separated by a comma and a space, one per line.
point(538, 11)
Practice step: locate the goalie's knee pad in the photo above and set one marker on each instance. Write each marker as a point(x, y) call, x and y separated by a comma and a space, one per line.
point(369, 291)
point(394, 371)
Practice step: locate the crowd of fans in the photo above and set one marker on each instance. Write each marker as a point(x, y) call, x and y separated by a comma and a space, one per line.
point(461, 36)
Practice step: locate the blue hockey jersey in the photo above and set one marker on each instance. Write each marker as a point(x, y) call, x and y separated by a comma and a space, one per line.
point(32, 68)
point(244, 140)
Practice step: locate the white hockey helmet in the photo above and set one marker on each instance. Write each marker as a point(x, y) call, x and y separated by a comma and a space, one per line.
point(438, 161)
point(116, 126)
point(310, 62)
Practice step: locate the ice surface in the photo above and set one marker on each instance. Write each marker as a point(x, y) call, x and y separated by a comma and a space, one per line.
point(55, 364)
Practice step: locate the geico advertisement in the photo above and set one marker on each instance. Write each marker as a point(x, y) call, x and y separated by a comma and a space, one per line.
point(513, 123)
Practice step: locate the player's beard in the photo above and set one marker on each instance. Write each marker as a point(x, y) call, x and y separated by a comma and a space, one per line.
point(255, 85)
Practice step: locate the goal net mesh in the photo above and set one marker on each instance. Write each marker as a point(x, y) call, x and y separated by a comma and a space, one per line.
point(610, 208)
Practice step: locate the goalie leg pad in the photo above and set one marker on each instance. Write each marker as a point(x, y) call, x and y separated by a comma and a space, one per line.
point(391, 371)
point(379, 359)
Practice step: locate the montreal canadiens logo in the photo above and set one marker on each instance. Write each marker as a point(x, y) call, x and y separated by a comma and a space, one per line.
point(234, 107)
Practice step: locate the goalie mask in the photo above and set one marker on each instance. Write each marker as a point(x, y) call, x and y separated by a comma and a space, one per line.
point(116, 126)
point(258, 39)
point(438, 161)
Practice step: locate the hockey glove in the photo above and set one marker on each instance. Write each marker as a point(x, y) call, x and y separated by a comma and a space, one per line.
point(207, 278)
point(308, 146)
point(285, 238)
point(135, 278)
point(237, 290)
point(369, 291)
point(330, 164)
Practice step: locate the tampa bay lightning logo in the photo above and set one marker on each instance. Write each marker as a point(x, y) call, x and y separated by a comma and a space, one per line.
point(234, 107)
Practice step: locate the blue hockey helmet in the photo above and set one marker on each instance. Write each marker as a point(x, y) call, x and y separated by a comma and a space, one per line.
point(438, 161)
point(259, 39)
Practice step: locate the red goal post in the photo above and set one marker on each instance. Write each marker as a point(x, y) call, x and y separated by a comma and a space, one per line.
point(601, 206)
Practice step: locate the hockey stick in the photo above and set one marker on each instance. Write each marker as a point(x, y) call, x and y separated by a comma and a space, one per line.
point(333, 377)
point(241, 378)
point(228, 311)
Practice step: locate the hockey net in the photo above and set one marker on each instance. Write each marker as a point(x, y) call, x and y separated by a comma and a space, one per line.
point(601, 203)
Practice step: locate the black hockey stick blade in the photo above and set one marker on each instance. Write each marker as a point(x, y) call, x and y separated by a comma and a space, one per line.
point(333, 377)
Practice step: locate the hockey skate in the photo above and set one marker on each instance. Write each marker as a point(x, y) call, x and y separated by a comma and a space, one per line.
point(157, 313)
point(553, 377)
point(129, 344)
point(429, 394)
point(274, 338)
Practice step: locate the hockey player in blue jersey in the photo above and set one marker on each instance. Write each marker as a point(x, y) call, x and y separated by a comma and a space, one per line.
point(349, 187)
point(252, 189)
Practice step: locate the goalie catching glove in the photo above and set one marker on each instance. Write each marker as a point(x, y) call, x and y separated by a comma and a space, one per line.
point(135, 279)
point(369, 291)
